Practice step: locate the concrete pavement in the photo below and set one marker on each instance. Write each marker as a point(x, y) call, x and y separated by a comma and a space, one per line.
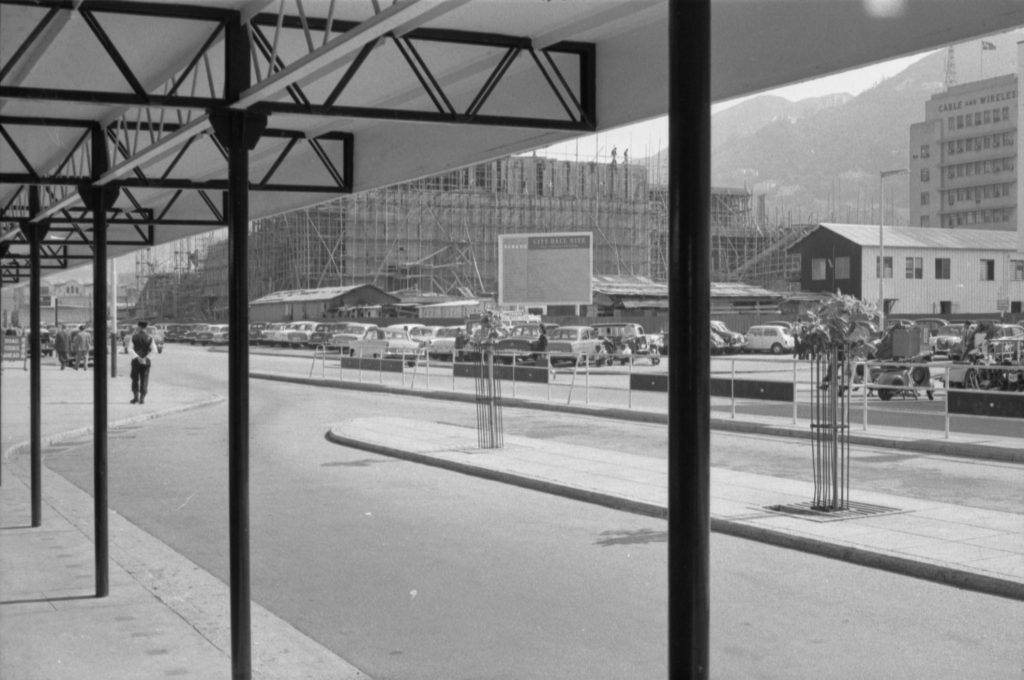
point(165, 616)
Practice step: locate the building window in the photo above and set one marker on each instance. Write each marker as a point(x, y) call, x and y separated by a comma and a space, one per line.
point(988, 116)
point(842, 267)
point(925, 175)
point(925, 221)
point(959, 122)
point(942, 267)
point(925, 151)
point(1017, 270)
point(1015, 307)
point(988, 270)
point(945, 306)
point(887, 273)
point(915, 267)
point(977, 117)
point(924, 198)
point(819, 269)
point(951, 148)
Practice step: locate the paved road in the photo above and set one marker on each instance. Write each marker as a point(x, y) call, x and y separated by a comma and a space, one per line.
point(414, 572)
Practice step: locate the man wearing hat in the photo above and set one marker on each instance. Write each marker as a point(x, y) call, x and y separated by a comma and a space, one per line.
point(140, 348)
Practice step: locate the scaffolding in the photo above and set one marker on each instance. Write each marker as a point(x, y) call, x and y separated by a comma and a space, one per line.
point(439, 235)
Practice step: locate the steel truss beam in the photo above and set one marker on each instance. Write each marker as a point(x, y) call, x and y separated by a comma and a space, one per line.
point(182, 136)
point(350, 45)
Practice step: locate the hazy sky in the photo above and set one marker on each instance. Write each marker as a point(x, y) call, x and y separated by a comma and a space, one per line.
point(644, 139)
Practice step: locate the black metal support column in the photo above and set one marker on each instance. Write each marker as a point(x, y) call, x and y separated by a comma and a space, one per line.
point(36, 234)
point(689, 278)
point(100, 200)
point(238, 132)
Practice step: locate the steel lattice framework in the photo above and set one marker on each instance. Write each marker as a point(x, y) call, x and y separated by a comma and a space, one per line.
point(164, 126)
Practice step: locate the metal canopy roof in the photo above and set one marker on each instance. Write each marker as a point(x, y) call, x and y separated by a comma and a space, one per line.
point(360, 94)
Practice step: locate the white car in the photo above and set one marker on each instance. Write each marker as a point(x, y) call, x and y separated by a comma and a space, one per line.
point(343, 338)
point(774, 339)
point(298, 333)
point(442, 345)
point(393, 343)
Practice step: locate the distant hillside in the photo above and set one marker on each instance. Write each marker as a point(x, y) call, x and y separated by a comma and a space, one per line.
point(819, 158)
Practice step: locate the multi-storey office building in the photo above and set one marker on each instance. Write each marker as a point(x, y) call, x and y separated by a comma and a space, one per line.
point(963, 158)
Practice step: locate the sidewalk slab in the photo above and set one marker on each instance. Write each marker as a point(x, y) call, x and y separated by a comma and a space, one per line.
point(968, 547)
point(164, 616)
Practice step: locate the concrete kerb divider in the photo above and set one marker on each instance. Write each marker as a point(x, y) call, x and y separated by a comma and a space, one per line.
point(633, 506)
point(933, 446)
point(927, 571)
point(17, 449)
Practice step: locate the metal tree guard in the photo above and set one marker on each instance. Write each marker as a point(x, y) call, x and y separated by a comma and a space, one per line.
point(830, 422)
point(488, 403)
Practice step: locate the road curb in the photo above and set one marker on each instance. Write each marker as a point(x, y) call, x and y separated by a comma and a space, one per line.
point(905, 566)
point(19, 448)
point(931, 446)
point(612, 501)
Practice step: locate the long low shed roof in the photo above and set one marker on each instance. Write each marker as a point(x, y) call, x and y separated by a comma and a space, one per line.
point(867, 235)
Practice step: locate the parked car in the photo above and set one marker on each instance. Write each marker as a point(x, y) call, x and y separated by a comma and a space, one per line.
point(573, 343)
point(731, 340)
point(717, 343)
point(45, 343)
point(424, 335)
point(625, 342)
point(322, 333)
point(256, 332)
point(442, 345)
point(275, 334)
point(212, 334)
point(945, 339)
point(342, 339)
point(932, 324)
point(520, 345)
point(769, 338)
point(387, 343)
point(191, 335)
point(298, 333)
point(174, 332)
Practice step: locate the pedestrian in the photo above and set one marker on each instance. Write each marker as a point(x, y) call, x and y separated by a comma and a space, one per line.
point(62, 346)
point(81, 344)
point(141, 352)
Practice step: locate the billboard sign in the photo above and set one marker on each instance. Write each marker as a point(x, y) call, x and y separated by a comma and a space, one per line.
point(546, 269)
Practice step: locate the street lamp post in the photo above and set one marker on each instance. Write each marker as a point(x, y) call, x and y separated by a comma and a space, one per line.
point(881, 241)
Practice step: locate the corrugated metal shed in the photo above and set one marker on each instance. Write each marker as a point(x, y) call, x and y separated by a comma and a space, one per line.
point(314, 294)
point(740, 290)
point(629, 286)
point(866, 235)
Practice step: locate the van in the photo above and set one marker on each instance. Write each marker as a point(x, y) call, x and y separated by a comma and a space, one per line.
point(774, 339)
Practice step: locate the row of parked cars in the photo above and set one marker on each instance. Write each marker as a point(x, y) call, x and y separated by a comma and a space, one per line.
point(597, 345)
point(776, 337)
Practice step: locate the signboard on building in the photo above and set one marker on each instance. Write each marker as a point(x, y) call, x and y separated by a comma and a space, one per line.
point(546, 269)
point(1002, 305)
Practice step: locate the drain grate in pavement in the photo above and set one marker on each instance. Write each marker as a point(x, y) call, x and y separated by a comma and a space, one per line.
point(854, 510)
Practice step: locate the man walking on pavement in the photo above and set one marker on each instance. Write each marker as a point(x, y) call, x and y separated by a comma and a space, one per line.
point(141, 348)
point(81, 344)
point(62, 345)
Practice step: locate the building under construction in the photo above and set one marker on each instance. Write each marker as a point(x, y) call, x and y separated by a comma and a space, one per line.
point(439, 235)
